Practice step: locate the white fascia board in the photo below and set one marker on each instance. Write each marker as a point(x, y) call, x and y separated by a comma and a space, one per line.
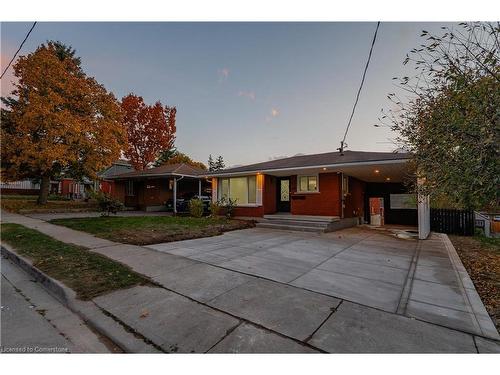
point(157, 175)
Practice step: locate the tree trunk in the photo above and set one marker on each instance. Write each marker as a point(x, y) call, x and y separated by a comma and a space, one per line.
point(44, 189)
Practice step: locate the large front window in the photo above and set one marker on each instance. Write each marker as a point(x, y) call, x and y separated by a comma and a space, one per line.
point(241, 189)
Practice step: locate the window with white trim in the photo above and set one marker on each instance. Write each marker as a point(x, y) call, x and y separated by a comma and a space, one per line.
point(241, 189)
point(307, 184)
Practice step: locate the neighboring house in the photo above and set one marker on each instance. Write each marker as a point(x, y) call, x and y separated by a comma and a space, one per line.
point(105, 183)
point(66, 187)
point(327, 184)
point(157, 189)
point(71, 188)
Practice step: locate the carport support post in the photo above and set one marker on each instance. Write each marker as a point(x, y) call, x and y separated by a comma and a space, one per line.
point(424, 213)
point(175, 195)
point(199, 188)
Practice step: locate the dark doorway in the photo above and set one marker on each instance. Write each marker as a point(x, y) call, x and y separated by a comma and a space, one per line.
point(283, 194)
point(392, 214)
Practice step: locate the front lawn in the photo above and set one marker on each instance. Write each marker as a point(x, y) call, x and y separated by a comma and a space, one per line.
point(88, 274)
point(481, 258)
point(146, 230)
point(28, 204)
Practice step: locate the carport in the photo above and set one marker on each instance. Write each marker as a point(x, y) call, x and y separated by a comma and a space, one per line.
point(158, 189)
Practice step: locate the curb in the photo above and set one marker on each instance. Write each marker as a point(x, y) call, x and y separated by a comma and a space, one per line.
point(477, 307)
point(86, 310)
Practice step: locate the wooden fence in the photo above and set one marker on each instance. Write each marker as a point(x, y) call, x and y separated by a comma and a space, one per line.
point(451, 221)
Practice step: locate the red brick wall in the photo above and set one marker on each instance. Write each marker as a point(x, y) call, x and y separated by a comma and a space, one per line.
point(107, 187)
point(118, 191)
point(249, 211)
point(269, 194)
point(65, 183)
point(153, 193)
point(326, 202)
point(355, 200)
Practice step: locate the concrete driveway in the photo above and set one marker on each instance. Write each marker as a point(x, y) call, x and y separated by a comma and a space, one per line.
point(373, 268)
point(271, 291)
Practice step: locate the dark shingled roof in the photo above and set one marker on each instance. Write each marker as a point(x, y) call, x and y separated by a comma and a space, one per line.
point(164, 170)
point(328, 158)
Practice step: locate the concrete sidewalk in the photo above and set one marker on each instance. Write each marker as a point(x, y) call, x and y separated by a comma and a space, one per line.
point(200, 307)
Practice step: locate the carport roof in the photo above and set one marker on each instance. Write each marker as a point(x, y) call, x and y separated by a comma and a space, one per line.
point(166, 170)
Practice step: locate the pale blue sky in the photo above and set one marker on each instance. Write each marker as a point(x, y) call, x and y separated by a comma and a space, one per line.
point(248, 91)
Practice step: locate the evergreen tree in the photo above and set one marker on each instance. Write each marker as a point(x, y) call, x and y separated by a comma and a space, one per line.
point(211, 163)
point(219, 163)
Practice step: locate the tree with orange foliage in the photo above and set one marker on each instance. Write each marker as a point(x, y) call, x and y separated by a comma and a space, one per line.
point(179, 158)
point(150, 130)
point(58, 120)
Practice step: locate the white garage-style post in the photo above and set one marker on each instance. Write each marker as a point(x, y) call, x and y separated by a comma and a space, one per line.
point(424, 213)
point(175, 195)
point(199, 188)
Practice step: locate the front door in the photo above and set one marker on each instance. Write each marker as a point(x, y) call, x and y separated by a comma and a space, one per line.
point(283, 194)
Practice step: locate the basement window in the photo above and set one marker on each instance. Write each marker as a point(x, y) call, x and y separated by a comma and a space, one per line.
point(307, 184)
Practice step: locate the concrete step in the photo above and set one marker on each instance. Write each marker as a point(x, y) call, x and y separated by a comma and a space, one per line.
point(307, 223)
point(305, 218)
point(298, 228)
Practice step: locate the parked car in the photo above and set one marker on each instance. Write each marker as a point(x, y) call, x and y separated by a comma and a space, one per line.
point(183, 203)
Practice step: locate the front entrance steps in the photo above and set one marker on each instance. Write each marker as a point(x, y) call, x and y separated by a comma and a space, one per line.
point(302, 223)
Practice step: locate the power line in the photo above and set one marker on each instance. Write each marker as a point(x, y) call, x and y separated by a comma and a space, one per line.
point(21, 46)
point(342, 142)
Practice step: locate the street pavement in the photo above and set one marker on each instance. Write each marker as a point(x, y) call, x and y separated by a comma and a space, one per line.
point(32, 321)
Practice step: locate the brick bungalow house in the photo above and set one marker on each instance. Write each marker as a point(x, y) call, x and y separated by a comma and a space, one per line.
point(350, 188)
point(354, 185)
point(158, 189)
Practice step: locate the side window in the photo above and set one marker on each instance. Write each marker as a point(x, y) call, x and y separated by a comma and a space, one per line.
point(129, 188)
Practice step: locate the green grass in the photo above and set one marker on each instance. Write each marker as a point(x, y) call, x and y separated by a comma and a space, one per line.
point(87, 273)
point(21, 197)
point(143, 230)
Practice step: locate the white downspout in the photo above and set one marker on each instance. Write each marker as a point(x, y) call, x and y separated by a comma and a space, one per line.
point(175, 193)
point(342, 195)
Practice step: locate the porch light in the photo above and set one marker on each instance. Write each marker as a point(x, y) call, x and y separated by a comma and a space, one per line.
point(324, 168)
point(376, 171)
point(388, 179)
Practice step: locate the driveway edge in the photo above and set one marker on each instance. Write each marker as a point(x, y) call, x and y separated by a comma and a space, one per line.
point(476, 304)
point(89, 312)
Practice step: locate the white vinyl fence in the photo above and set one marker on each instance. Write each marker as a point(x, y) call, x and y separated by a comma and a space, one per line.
point(25, 185)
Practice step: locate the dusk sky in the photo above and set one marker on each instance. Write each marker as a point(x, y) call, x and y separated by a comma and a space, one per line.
point(248, 91)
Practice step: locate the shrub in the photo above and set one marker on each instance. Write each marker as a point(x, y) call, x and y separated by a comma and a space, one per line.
point(196, 207)
point(215, 208)
point(229, 205)
point(107, 204)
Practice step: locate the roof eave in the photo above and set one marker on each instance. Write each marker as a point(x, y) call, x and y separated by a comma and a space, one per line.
point(337, 165)
point(154, 175)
